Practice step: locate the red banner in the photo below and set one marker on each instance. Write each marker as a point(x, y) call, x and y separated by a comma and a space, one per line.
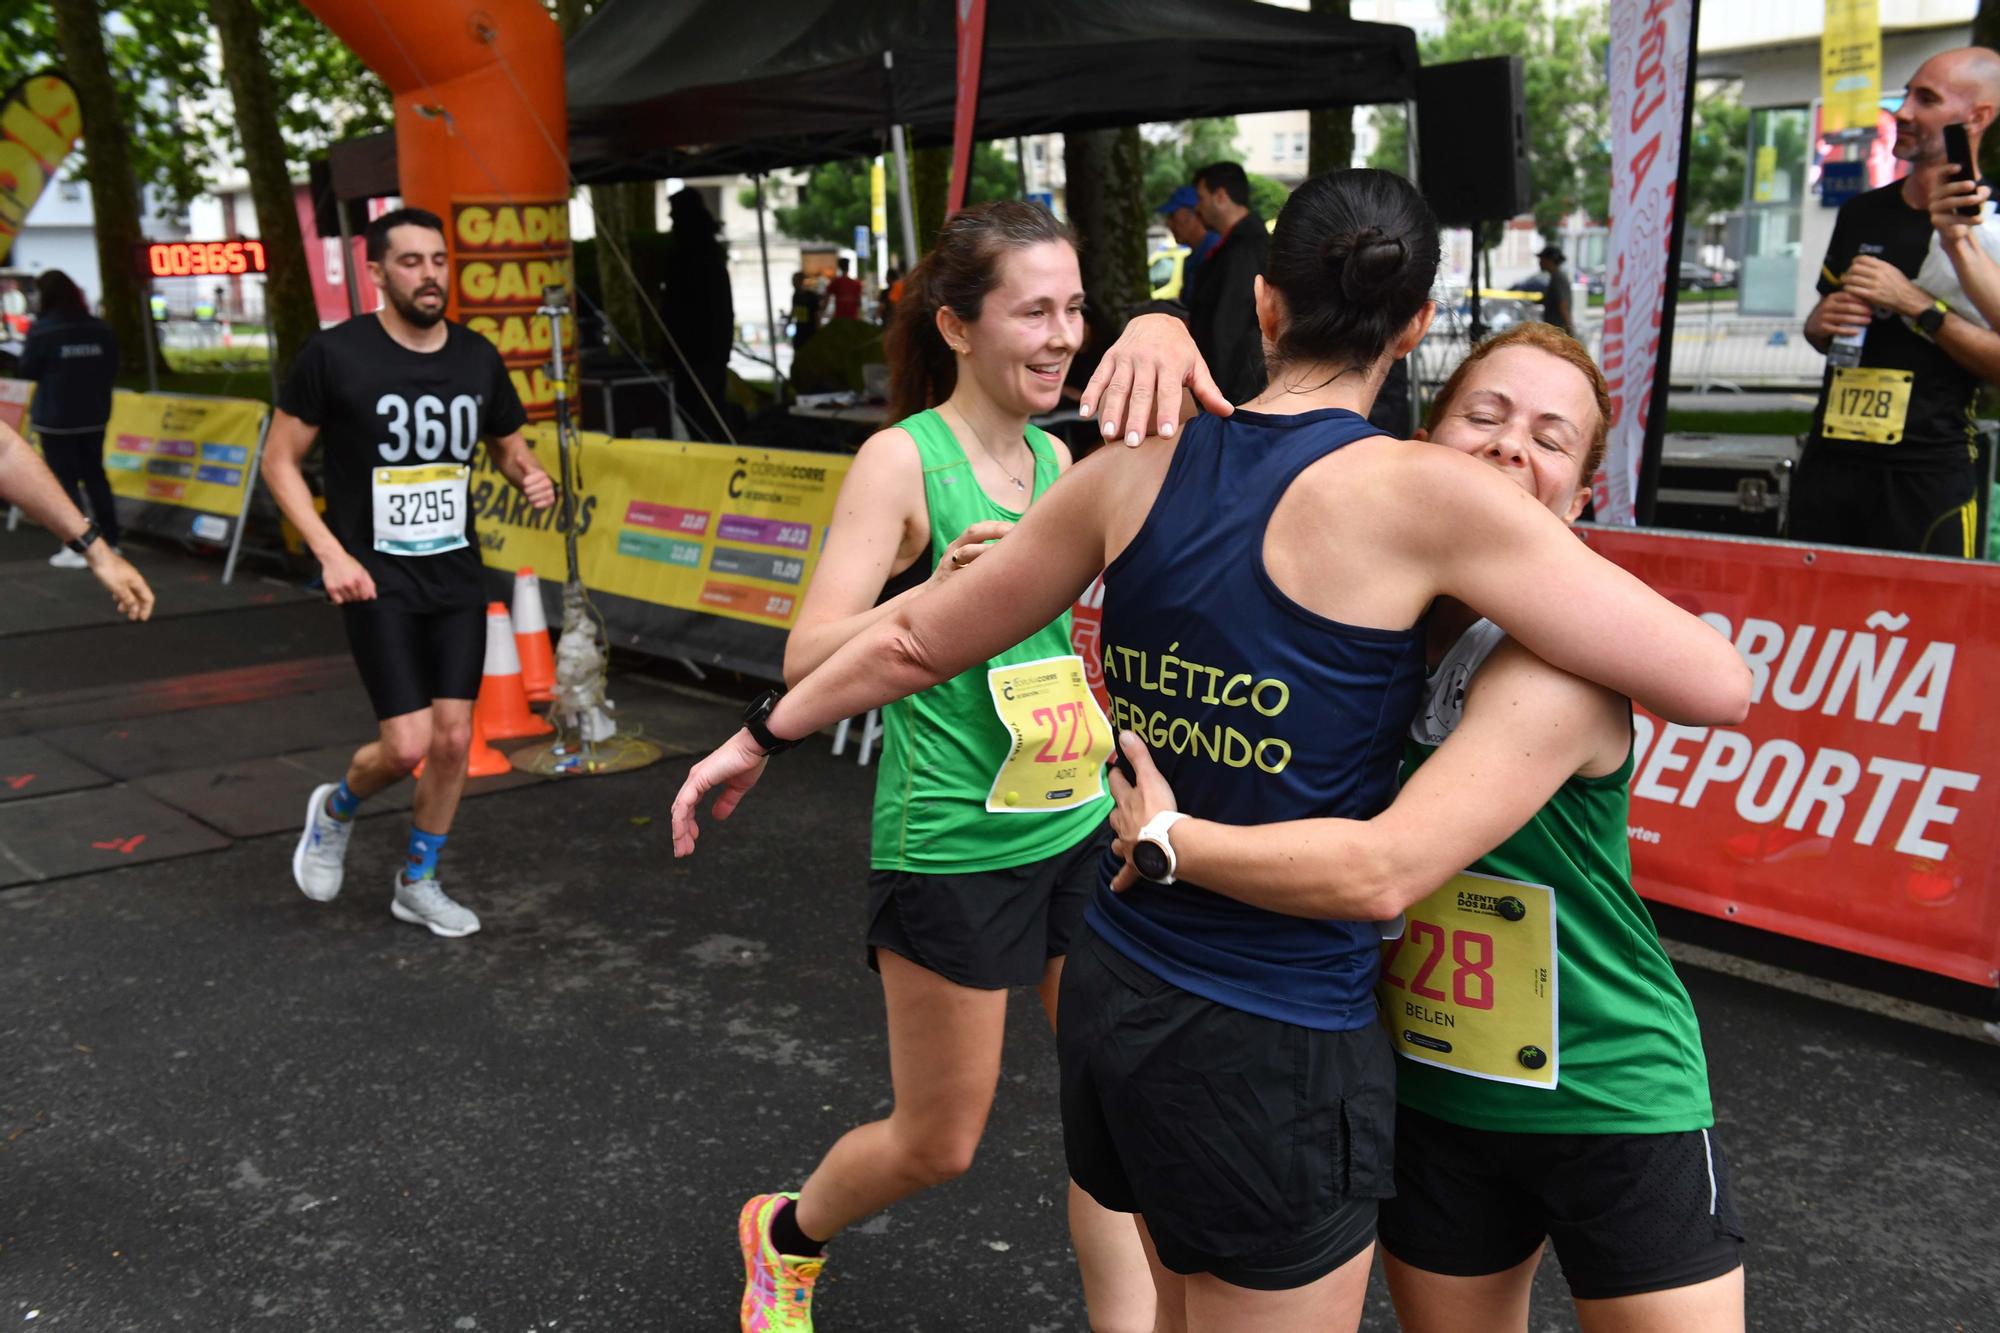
point(1853, 807)
point(971, 45)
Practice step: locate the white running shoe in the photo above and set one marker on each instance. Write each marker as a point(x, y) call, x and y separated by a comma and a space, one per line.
point(424, 903)
point(322, 849)
point(68, 559)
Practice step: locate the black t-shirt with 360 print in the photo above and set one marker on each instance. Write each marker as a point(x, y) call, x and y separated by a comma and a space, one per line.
point(400, 428)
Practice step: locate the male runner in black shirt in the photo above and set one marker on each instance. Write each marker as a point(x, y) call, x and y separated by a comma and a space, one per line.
point(1889, 463)
point(400, 399)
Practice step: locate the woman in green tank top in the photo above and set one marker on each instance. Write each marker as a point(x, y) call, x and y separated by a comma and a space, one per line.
point(982, 859)
point(1593, 1129)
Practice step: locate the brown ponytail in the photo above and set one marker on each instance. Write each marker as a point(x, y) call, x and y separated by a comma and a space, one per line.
point(958, 273)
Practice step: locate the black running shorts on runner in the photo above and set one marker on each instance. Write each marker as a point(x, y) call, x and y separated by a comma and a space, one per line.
point(408, 658)
point(1846, 502)
point(987, 929)
point(1256, 1150)
point(1629, 1213)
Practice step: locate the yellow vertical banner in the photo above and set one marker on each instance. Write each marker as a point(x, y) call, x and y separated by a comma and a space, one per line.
point(1850, 64)
point(878, 199)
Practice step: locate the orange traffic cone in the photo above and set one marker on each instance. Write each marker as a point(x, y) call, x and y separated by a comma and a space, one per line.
point(502, 709)
point(481, 761)
point(531, 636)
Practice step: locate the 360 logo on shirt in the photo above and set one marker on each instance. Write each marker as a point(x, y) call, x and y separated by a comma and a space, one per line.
point(428, 427)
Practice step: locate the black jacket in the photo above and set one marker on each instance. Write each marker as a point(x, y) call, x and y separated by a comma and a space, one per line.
point(73, 360)
point(1222, 310)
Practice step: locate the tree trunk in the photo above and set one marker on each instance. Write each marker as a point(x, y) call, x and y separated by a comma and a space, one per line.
point(1332, 143)
point(622, 212)
point(114, 191)
point(289, 306)
point(618, 213)
point(930, 189)
point(1986, 33)
point(1106, 174)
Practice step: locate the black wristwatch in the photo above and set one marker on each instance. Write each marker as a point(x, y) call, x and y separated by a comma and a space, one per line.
point(755, 721)
point(1932, 320)
point(81, 542)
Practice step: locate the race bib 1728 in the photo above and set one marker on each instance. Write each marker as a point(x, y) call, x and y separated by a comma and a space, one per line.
point(1058, 738)
point(1471, 984)
point(1867, 403)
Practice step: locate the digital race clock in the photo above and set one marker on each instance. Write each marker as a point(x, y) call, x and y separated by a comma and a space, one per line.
point(200, 259)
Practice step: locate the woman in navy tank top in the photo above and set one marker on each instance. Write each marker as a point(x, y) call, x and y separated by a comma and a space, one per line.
point(1266, 580)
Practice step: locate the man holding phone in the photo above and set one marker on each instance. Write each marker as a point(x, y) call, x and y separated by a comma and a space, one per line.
point(1889, 462)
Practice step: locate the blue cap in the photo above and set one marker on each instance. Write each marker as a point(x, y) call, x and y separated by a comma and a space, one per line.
point(1182, 198)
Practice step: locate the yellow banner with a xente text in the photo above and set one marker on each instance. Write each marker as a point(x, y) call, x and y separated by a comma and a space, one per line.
point(706, 528)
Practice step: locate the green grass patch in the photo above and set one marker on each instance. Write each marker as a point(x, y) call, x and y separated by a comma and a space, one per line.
point(1702, 297)
point(1777, 421)
point(215, 383)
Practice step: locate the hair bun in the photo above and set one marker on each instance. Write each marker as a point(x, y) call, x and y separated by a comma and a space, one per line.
point(1367, 262)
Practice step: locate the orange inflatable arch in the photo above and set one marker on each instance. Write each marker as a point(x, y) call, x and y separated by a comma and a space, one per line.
point(482, 141)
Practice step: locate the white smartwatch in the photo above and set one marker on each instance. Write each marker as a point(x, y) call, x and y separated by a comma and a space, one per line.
point(1153, 854)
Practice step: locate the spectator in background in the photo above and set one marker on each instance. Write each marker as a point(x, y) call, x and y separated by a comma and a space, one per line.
point(73, 360)
point(1889, 463)
point(1556, 298)
point(805, 310)
point(1223, 308)
point(1184, 224)
point(892, 292)
point(699, 312)
point(843, 294)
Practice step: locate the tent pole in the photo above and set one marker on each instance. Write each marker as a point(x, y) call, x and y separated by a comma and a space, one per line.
point(903, 200)
point(770, 310)
point(1021, 162)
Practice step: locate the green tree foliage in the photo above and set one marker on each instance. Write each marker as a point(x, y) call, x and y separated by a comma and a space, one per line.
point(833, 201)
point(1175, 151)
point(1568, 103)
point(179, 126)
point(1718, 155)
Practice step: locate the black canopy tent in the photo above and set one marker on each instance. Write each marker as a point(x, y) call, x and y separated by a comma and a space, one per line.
point(719, 87)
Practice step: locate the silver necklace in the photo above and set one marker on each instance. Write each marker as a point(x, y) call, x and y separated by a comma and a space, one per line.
point(1019, 485)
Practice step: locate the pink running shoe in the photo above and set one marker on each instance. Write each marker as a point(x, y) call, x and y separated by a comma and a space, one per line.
point(777, 1288)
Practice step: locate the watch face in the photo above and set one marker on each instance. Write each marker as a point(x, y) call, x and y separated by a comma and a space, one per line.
point(1151, 860)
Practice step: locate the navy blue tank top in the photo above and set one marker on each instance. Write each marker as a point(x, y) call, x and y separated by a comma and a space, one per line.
point(1256, 710)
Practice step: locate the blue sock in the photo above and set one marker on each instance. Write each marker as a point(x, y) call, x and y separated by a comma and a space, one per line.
point(343, 803)
point(423, 855)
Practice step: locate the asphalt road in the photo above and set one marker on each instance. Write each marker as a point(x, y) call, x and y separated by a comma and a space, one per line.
point(227, 1108)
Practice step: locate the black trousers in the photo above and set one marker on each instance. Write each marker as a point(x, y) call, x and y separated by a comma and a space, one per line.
point(77, 459)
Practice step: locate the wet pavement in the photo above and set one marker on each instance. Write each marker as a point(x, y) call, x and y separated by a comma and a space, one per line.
point(225, 1107)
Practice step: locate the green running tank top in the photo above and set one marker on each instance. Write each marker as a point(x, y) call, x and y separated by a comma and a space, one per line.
point(1631, 1055)
point(942, 748)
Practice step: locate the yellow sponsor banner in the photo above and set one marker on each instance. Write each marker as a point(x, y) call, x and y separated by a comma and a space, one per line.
point(191, 453)
point(707, 528)
point(15, 395)
point(1850, 64)
point(505, 253)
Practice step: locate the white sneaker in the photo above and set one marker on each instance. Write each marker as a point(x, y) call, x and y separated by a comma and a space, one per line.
point(322, 851)
point(68, 559)
point(424, 903)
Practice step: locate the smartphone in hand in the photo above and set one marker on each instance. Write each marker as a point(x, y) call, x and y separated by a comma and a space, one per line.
point(1958, 150)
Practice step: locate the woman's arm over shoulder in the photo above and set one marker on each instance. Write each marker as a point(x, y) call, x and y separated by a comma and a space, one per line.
point(1495, 548)
point(880, 521)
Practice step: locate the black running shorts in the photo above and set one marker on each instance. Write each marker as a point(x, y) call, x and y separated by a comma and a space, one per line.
point(408, 658)
point(987, 929)
point(1255, 1150)
point(1844, 501)
point(1629, 1213)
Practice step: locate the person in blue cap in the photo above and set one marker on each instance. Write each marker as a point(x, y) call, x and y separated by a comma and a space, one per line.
point(1185, 225)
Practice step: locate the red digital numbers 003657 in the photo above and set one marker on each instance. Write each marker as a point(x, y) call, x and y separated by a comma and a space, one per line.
point(195, 259)
point(1466, 967)
point(1077, 714)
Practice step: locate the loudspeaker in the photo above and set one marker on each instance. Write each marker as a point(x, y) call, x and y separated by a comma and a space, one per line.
point(1472, 141)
